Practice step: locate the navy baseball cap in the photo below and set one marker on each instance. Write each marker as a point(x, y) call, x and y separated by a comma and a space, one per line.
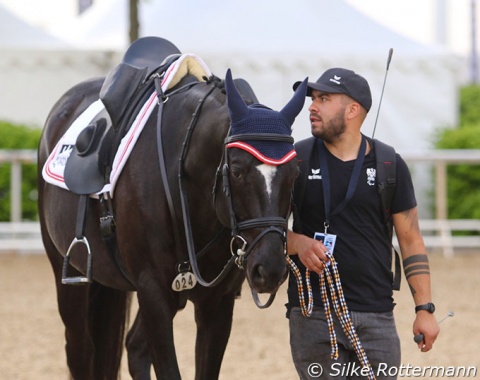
point(342, 81)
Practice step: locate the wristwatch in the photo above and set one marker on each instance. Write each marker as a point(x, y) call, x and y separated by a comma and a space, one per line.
point(430, 307)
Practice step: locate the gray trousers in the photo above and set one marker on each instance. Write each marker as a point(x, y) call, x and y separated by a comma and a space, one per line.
point(311, 349)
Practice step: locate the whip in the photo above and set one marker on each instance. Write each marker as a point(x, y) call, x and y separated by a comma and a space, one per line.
point(390, 53)
point(419, 337)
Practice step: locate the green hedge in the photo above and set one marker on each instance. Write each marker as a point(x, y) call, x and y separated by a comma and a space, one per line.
point(463, 181)
point(16, 136)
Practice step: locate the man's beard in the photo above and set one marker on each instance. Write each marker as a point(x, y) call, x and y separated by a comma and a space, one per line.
point(332, 130)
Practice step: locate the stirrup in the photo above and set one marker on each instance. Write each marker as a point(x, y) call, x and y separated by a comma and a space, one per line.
point(77, 280)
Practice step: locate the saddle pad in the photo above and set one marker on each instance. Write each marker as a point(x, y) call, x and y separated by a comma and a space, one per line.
point(53, 170)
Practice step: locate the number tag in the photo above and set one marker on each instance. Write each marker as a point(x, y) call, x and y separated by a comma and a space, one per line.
point(184, 281)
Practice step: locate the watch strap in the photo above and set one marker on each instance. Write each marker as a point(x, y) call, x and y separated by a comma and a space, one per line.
point(430, 307)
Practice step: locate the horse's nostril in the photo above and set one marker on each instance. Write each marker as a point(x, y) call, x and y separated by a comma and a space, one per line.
point(259, 275)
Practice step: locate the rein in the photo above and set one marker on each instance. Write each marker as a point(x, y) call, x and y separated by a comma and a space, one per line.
point(193, 257)
point(269, 224)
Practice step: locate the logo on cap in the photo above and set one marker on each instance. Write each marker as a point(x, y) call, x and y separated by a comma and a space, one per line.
point(335, 79)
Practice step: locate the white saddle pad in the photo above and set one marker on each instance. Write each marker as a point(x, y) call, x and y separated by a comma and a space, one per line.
point(54, 168)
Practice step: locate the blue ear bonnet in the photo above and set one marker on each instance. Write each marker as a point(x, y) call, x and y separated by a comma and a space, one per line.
point(259, 119)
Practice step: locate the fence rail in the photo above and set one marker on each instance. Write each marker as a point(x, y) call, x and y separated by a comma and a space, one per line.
point(20, 237)
point(439, 233)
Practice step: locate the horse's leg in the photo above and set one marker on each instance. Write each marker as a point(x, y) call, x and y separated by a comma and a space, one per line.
point(72, 306)
point(158, 308)
point(94, 317)
point(214, 323)
point(138, 351)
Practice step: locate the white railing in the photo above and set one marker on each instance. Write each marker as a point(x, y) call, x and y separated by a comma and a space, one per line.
point(18, 236)
point(440, 159)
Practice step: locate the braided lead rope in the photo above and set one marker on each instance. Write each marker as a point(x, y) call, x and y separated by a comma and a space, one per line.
point(328, 315)
point(339, 305)
point(341, 309)
point(306, 310)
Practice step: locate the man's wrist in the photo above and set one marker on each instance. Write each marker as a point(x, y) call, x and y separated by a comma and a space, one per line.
point(430, 307)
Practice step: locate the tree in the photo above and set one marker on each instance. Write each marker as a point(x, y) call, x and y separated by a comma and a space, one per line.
point(463, 179)
point(134, 24)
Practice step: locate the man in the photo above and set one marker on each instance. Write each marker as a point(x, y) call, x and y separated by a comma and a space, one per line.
point(340, 203)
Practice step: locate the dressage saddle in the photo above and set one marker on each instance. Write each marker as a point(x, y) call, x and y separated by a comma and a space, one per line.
point(123, 93)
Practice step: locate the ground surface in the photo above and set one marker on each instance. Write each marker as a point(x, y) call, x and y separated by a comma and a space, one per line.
point(31, 333)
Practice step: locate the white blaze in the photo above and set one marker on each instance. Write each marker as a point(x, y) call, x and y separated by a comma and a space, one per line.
point(268, 172)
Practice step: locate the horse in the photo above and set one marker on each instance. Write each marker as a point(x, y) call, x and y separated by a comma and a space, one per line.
point(199, 206)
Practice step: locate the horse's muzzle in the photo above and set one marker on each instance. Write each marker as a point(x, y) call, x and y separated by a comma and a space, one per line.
point(267, 281)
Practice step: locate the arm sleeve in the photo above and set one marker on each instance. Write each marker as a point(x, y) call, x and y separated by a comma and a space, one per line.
point(404, 195)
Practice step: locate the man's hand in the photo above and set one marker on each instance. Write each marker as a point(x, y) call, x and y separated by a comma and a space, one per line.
point(311, 252)
point(426, 324)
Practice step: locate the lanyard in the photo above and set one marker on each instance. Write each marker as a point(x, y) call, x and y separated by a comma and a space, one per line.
point(322, 152)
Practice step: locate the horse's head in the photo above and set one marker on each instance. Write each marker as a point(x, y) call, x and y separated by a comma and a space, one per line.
point(259, 171)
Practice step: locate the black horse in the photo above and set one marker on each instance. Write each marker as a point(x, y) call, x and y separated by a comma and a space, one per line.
point(203, 197)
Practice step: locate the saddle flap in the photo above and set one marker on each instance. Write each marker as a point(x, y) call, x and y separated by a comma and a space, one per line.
point(118, 89)
point(82, 175)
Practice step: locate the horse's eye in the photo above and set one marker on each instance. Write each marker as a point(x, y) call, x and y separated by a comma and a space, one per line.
point(237, 173)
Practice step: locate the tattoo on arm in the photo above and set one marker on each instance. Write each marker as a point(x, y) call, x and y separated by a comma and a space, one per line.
point(412, 218)
point(412, 289)
point(415, 265)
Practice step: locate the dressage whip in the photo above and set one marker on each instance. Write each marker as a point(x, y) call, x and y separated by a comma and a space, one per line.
point(390, 53)
point(419, 337)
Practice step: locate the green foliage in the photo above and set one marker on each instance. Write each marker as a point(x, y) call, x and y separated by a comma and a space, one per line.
point(469, 105)
point(19, 137)
point(464, 179)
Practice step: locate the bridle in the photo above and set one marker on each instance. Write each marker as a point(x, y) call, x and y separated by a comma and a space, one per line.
point(274, 224)
point(269, 224)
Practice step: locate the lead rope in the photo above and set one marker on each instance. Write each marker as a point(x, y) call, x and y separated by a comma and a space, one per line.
point(332, 278)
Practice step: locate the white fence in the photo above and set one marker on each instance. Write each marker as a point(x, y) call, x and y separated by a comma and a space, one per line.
point(20, 236)
point(17, 235)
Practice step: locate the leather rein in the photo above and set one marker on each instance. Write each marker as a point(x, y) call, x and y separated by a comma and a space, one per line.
point(270, 224)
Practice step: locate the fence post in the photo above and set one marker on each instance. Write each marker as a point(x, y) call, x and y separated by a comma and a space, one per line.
point(441, 190)
point(16, 191)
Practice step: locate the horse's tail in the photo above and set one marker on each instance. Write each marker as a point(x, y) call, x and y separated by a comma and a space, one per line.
point(108, 318)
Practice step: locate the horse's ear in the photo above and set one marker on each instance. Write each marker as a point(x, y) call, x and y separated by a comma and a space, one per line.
point(237, 107)
point(295, 105)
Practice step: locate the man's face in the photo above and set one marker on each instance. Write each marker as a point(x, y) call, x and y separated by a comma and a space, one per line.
point(327, 115)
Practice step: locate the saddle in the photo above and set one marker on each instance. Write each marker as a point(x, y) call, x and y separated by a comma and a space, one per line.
point(123, 93)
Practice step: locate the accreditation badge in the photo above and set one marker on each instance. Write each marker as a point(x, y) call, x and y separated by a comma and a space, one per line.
point(328, 240)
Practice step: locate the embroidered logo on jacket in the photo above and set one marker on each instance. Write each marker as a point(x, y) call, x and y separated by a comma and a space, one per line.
point(371, 175)
point(315, 174)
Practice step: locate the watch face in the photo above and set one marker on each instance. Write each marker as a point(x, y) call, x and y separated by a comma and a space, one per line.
point(430, 307)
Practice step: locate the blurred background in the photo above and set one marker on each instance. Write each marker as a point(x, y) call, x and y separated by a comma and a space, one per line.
point(430, 112)
point(47, 46)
